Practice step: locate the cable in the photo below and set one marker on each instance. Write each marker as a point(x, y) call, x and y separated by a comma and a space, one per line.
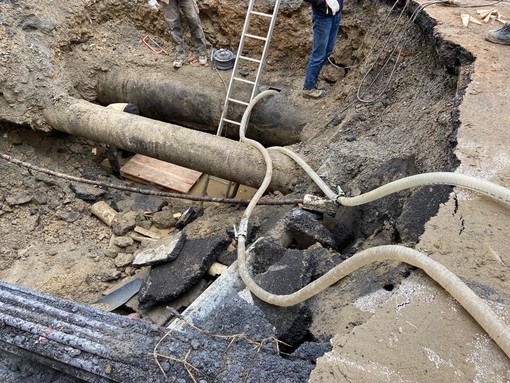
point(392, 72)
point(359, 97)
point(145, 191)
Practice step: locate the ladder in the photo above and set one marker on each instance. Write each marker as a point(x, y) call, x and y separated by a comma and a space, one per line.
point(239, 87)
point(250, 85)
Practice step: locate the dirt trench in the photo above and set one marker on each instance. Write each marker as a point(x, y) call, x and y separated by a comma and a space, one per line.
point(51, 243)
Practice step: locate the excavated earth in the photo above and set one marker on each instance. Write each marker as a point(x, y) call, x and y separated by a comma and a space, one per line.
point(403, 98)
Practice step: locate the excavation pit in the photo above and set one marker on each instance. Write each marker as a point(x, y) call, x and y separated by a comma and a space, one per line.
point(368, 131)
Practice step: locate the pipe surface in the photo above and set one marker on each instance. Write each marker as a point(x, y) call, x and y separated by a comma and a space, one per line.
point(164, 98)
point(217, 156)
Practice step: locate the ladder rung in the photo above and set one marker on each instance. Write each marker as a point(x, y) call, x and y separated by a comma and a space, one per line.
point(261, 14)
point(243, 80)
point(238, 101)
point(250, 59)
point(256, 37)
point(232, 121)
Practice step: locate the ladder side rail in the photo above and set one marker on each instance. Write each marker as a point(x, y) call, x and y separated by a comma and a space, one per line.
point(240, 48)
point(266, 49)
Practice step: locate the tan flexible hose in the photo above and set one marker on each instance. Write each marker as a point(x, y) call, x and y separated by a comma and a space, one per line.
point(474, 305)
point(487, 188)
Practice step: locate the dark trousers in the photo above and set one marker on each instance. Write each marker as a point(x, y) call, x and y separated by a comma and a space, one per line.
point(171, 13)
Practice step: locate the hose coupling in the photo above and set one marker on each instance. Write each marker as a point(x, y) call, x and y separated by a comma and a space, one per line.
point(243, 229)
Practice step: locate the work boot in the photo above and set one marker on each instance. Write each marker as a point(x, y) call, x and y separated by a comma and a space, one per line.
point(178, 62)
point(499, 36)
point(313, 93)
point(202, 60)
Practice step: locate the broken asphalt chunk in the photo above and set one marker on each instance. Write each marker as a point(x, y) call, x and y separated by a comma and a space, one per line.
point(266, 252)
point(170, 280)
point(306, 230)
point(187, 217)
point(289, 274)
point(142, 203)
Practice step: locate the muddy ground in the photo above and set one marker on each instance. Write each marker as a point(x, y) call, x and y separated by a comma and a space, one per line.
point(51, 53)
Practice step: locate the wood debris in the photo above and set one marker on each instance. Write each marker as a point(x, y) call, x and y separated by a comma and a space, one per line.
point(473, 20)
point(491, 14)
point(147, 233)
point(465, 19)
point(484, 14)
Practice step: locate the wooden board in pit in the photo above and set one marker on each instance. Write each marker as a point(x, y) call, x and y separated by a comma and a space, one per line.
point(147, 170)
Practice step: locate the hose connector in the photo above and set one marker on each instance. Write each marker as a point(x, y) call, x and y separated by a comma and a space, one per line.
point(243, 229)
point(339, 194)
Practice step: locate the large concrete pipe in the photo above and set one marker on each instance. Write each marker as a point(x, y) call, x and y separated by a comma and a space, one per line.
point(173, 99)
point(200, 151)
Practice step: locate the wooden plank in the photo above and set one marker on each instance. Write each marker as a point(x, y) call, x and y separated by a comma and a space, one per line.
point(145, 170)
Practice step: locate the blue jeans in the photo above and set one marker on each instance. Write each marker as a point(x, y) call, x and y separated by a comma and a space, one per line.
point(325, 30)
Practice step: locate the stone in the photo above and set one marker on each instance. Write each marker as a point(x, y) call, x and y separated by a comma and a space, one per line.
point(69, 216)
point(124, 222)
point(18, 200)
point(123, 241)
point(87, 192)
point(34, 23)
point(40, 198)
point(164, 250)
point(123, 259)
point(164, 219)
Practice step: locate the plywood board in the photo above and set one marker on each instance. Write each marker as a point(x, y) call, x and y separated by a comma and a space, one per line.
point(146, 170)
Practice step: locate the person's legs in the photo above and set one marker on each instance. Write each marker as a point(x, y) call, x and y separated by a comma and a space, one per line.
point(321, 33)
point(173, 21)
point(333, 33)
point(197, 33)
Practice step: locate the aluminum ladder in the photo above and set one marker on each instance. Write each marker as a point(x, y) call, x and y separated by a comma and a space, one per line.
point(236, 81)
point(235, 94)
